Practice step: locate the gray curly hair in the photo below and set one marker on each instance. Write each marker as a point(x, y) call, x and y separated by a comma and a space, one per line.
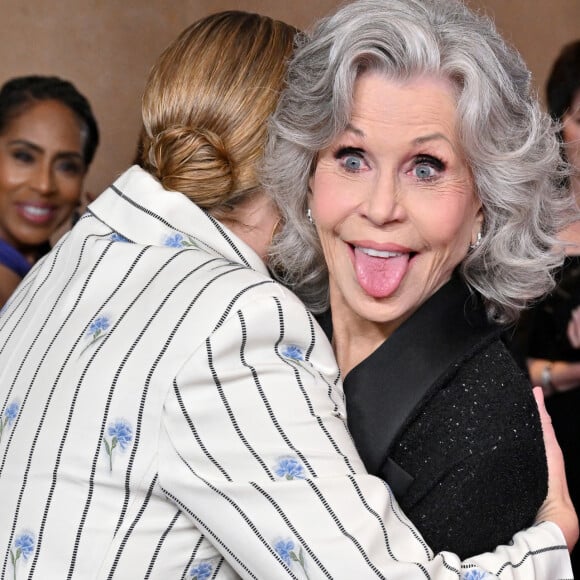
point(510, 144)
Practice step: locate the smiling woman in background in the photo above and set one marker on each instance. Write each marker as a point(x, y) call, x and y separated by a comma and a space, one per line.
point(48, 137)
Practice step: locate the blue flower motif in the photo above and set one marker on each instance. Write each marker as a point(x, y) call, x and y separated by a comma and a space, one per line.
point(201, 571)
point(177, 240)
point(121, 434)
point(474, 575)
point(293, 352)
point(122, 431)
point(289, 468)
point(10, 414)
point(284, 549)
point(115, 237)
point(287, 552)
point(174, 241)
point(23, 546)
point(25, 543)
point(98, 326)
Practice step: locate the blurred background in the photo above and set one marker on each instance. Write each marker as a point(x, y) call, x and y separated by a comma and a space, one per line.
point(106, 47)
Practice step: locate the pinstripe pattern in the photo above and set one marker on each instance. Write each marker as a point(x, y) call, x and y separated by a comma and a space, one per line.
point(168, 411)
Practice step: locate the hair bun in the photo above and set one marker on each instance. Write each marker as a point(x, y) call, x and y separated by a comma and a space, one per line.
point(194, 162)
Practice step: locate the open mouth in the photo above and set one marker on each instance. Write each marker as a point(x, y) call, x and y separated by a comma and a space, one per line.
point(382, 253)
point(36, 214)
point(380, 272)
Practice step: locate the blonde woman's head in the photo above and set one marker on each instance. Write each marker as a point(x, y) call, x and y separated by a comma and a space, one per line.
point(206, 106)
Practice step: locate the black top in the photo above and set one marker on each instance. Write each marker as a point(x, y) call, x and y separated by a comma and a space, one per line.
point(442, 412)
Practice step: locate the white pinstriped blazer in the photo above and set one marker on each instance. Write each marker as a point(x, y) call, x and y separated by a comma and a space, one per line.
point(168, 411)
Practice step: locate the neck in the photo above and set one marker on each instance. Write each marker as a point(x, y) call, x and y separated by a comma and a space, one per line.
point(254, 221)
point(354, 338)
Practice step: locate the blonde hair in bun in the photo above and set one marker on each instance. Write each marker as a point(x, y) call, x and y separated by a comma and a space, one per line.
point(206, 106)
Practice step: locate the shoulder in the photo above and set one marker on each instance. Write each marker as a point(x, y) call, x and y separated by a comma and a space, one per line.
point(483, 402)
point(9, 280)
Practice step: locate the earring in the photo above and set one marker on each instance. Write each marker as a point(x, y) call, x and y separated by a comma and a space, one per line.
point(309, 216)
point(477, 242)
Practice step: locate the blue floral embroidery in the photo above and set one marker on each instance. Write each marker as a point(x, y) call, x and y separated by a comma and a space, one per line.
point(474, 575)
point(283, 549)
point(10, 414)
point(23, 546)
point(287, 551)
point(290, 468)
point(201, 571)
point(115, 237)
point(293, 352)
point(178, 240)
point(173, 241)
point(97, 329)
point(98, 326)
point(296, 355)
point(121, 434)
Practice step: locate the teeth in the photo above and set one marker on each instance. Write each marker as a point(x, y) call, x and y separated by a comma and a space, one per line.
point(37, 211)
point(379, 254)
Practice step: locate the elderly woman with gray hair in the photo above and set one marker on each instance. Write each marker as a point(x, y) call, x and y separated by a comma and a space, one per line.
point(419, 183)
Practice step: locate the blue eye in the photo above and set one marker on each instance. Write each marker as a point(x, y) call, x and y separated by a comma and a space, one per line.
point(352, 163)
point(424, 171)
point(427, 167)
point(351, 159)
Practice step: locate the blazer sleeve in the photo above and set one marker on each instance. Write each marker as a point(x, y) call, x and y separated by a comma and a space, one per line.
point(254, 448)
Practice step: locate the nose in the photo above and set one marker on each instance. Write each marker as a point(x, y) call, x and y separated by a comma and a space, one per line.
point(43, 180)
point(384, 201)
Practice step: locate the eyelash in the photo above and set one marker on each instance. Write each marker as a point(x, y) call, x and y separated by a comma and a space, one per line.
point(342, 152)
point(23, 156)
point(345, 151)
point(431, 161)
point(70, 167)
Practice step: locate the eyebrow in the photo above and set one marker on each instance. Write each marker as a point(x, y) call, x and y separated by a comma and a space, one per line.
point(352, 129)
point(417, 141)
point(38, 149)
point(432, 137)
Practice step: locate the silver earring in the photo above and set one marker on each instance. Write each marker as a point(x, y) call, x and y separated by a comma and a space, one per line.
point(477, 242)
point(309, 216)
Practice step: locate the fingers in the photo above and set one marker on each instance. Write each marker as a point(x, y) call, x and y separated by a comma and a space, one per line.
point(573, 330)
point(557, 507)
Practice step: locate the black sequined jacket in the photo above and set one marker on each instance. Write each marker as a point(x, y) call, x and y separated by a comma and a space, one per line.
point(442, 412)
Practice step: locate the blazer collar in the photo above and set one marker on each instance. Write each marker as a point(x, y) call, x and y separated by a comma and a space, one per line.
point(138, 208)
point(385, 389)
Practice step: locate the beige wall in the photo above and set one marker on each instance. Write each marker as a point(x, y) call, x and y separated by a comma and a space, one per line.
point(106, 48)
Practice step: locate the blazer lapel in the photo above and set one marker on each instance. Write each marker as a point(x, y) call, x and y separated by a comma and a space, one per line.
point(389, 386)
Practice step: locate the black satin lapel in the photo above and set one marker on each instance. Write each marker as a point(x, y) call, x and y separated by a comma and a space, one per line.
point(382, 391)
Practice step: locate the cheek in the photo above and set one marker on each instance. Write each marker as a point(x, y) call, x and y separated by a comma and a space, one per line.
point(11, 176)
point(448, 225)
point(70, 189)
point(329, 201)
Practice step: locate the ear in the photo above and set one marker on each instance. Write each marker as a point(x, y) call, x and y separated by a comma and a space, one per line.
point(310, 183)
point(309, 192)
point(477, 227)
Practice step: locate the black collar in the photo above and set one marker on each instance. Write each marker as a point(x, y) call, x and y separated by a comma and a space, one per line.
point(385, 389)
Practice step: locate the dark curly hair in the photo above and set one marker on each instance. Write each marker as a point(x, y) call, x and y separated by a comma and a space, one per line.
point(564, 80)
